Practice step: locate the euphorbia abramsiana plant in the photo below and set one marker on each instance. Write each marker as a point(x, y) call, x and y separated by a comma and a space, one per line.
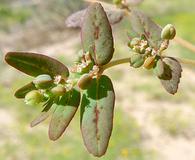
point(61, 90)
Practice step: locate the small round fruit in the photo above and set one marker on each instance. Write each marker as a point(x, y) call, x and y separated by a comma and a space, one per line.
point(34, 97)
point(84, 81)
point(168, 32)
point(43, 81)
point(136, 60)
point(58, 90)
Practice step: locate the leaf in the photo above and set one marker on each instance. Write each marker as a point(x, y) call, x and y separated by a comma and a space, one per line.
point(36, 64)
point(46, 112)
point(96, 34)
point(65, 111)
point(20, 93)
point(171, 78)
point(142, 24)
point(97, 108)
point(75, 20)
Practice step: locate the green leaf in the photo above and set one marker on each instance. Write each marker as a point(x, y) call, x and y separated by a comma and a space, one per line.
point(172, 74)
point(20, 93)
point(142, 24)
point(96, 34)
point(46, 112)
point(97, 108)
point(65, 111)
point(36, 64)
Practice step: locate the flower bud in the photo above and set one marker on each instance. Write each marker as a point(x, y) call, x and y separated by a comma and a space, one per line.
point(149, 62)
point(136, 60)
point(58, 90)
point(84, 81)
point(33, 97)
point(168, 32)
point(159, 68)
point(148, 51)
point(136, 49)
point(142, 50)
point(135, 41)
point(43, 81)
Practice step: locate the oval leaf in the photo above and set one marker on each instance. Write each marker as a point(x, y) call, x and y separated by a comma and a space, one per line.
point(96, 34)
point(97, 108)
point(142, 24)
point(20, 93)
point(65, 111)
point(172, 74)
point(36, 64)
point(46, 112)
point(75, 20)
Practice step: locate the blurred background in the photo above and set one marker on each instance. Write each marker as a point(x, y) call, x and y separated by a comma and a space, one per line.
point(149, 124)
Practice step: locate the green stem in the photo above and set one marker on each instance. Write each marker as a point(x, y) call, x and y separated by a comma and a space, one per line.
point(116, 62)
point(127, 60)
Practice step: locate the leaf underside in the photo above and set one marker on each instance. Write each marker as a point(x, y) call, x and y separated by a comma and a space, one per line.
point(142, 24)
point(96, 121)
point(63, 114)
point(36, 64)
point(20, 93)
point(170, 80)
point(96, 34)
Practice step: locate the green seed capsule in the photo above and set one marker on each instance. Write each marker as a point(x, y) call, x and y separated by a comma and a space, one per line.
point(168, 32)
point(137, 60)
point(84, 81)
point(159, 68)
point(43, 81)
point(58, 90)
point(34, 97)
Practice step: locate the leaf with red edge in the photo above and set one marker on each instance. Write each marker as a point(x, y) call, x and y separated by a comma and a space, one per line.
point(36, 64)
point(65, 111)
point(96, 34)
point(142, 24)
point(97, 107)
point(75, 20)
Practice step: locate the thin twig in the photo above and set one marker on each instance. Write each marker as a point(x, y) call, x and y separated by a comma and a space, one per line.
point(185, 43)
point(185, 61)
